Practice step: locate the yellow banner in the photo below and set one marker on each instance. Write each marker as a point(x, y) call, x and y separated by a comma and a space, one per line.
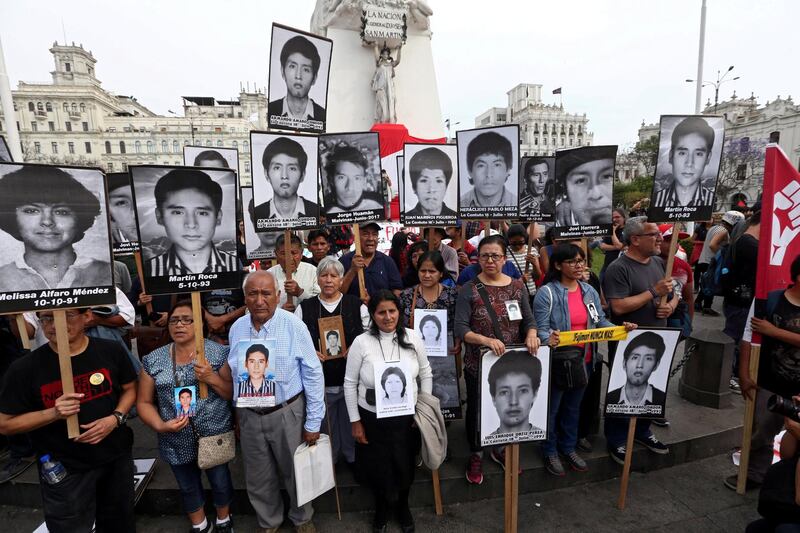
point(616, 333)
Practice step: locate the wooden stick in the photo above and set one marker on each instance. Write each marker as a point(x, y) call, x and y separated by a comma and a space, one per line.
point(463, 234)
point(335, 485)
point(430, 239)
point(747, 430)
point(673, 247)
point(361, 283)
point(511, 487)
point(137, 256)
point(626, 468)
point(199, 341)
point(65, 366)
point(531, 232)
point(487, 227)
point(23, 331)
point(437, 493)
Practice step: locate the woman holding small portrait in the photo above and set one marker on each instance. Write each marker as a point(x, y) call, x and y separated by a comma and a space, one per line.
point(385, 447)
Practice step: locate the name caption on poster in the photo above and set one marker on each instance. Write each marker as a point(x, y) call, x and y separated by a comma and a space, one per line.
point(518, 436)
point(54, 297)
point(281, 223)
point(680, 211)
point(577, 231)
point(194, 281)
point(296, 123)
point(636, 410)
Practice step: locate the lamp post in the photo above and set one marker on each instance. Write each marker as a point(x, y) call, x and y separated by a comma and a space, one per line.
point(720, 80)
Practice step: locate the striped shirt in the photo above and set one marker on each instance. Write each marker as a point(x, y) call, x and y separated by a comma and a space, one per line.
point(669, 198)
point(297, 368)
point(267, 388)
point(169, 264)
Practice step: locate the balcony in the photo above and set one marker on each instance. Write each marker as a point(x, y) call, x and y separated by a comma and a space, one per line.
point(40, 113)
point(75, 115)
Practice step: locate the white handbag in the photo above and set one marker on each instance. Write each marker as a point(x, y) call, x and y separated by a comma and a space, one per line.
point(313, 469)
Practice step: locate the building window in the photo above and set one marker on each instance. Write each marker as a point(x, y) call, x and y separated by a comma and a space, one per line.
point(176, 147)
point(151, 149)
point(37, 147)
point(246, 146)
point(71, 148)
point(66, 107)
point(108, 147)
point(247, 166)
point(124, 167)
point(219, 143)
point(34, 127)
point(186, 142)
point(67, 67)
point(88, 147)
point(235, 144)
point(83, 107)
point(85, 126)
point(111, 167)
point(74, 107)
point(39, 106)
point(775, 137)
point(31, 107)
point(208, 142)
point(570, 141)
point(544, 141)
point(48, 106)
point(122, 149)
point(137, 147)
point(68, 126)
point(164, 146)
point(51, 126)
point(741, 172)
point(54, 146)
point(536, 141)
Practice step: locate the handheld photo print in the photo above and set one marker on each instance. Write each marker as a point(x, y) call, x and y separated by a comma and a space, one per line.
point(185, 401)
point(331, 337)
point(431, 325)
point(211, 157)
point(254, 376)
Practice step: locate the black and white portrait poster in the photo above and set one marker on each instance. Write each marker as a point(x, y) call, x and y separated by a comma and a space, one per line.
point(54, 234)
point(430, 194)
point(537, 191)
point(211, 157)
point(445, 386)
point(350, 170)
point(487, 172)
point(431, 324)
point(394, 389)
point(285, 187)
point(689, 154)
point(259, 245)
point(639, 376)
point(5, 153)
point(515, 390)
point(584, 191)
point(400, 163)
point(253, 365)
point(124, 235)
point(187, 228)
point(299, 64)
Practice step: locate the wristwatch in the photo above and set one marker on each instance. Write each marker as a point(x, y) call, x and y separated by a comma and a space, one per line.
point(121, 418)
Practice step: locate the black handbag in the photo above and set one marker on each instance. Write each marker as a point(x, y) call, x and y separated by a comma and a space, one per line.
point(569, 368)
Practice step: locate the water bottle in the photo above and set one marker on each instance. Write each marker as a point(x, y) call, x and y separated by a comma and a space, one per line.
point(52, 471)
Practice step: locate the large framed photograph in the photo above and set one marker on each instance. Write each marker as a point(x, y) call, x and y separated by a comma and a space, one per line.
point(639, 376)
point(124, 234)
point(584, 191)
point(487, 172)
point(687, 167)
point(258, 245)
point(187, 228)
point(332, 342)
point(431, 324)
point(350, 170)
point(523, 377)
point(394, 389)
point(54, 233)
point(285, 187)
point(537, 191)
point(430, 195)
point(5, 153)
point(299, 67)
point(254, 363)
point(211, 157)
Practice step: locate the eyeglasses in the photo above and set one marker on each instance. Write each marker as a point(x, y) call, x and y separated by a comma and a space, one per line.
point(185, 320)
point(517, 243)
point(574, 262)
point(493, 258)
point(49, 319)
point(651, 234)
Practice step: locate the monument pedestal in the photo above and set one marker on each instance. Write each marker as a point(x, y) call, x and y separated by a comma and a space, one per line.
point(705, 379)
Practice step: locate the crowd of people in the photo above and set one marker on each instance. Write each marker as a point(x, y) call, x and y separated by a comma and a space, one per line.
point(501, 286)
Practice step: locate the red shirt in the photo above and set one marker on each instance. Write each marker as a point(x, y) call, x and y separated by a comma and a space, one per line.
point(682, 273)
point(578, 317)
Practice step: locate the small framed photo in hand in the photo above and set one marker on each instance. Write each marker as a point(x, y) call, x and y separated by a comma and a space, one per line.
point(332, 344)
point(185, 401)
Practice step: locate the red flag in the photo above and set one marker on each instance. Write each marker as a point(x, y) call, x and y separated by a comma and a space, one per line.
point(780, 226)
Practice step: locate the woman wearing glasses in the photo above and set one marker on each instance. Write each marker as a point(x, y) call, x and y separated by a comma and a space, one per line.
point(474, 326)
point(567, 303)
point(174, 365)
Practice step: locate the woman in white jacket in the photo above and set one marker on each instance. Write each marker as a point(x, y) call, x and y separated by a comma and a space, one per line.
point(385, 447)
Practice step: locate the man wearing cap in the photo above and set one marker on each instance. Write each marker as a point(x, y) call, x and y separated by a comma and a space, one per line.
point(689, 155)
point(584, 183)
point(380, 271)
point(716, 237)
point(684, 282)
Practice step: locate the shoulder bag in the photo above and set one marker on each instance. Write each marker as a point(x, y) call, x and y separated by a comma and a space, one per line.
point(569, 369)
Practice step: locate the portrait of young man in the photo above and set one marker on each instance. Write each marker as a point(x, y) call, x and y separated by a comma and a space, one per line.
point(487, 159)
point(333, 346)
point(120, 207)
point(585, 187)
point(256, 361)
point(284, 166)
point(430, 170)
point(217, 157)
point(259, 245)
point(298, 81)
point(536, 187)
point(351, 178)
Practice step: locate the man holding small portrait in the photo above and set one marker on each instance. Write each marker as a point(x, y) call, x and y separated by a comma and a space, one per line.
point(285, 164)
point(689, 155)
point(489, 158)
point(300, 63)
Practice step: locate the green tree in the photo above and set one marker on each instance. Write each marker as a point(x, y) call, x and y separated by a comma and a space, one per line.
point(646, 154)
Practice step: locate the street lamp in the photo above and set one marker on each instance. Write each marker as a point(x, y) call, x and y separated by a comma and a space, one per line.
point(720, 80)
point(191, 122)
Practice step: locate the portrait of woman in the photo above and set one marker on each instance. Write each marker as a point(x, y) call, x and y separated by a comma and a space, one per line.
point(430, 329)
point(393, 383)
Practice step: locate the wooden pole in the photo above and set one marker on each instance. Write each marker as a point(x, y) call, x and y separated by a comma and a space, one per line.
point(361, 283)
point(747, 430)
point(287, 260)
point(437, 492)
point(626, 468)
point(137, 256)
point(65, 366)
point(199, 341)
point(430, 239)
point(23, 331)
point(673, 247)
point(532, 230)
point(487, 227)
point(335, 485)
point(511, 487)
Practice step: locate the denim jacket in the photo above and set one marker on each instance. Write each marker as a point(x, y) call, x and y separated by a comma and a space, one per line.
point(551, 311)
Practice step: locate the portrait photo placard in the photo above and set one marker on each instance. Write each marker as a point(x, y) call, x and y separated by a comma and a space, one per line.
point(54, 233)
point(350, 171)
point(211, 157)
point(488, 160)
point(394, 389)
point(5, 153)
point(259, 245)
point(332, 343)
point(515, 391)
point(430, 194)
point(537, 191)
point(639, 376)
point(299, 67)
point(124, 234)
point(445, 386)
point(254, 363)
point(431, 325)
point(186, 218)
point(285, 186)
point(185, 401)
point(687, 167)
point(584, 191)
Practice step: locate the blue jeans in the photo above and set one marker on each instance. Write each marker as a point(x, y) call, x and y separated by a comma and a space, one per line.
point(562, 419)
point(190, 482)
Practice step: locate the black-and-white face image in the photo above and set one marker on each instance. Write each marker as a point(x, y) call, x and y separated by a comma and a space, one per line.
point(640, 373)
point(284, 170)
point(537, 189)
point(53, 230)
point(259, 245)
point(394, 389)
point(350, 169)
point(187, 222)
point(584, 190)
point(208, 157)
point(689, 153)
point(431, 325)
point(124, 236)
point(430, 195)
point(333, 343)
point(298, 80)
point(487, 172)
point(5, 153)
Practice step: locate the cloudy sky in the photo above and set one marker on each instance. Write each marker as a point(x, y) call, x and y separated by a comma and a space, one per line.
point(618, 61)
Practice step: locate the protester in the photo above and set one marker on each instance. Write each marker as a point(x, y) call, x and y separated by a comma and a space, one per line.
point(684, 283)
point(449, 255)
point(634, 285)
point(612, 245)
point(414, 252)
point(474, 326)
point(385, 447)
point(698, 241)
point(20, 453)
point(716, 237)
point(380, 272)
point(99, 465)
point(472, 271)
point(175, 366)
point(303, 284)
point(355, 319)
point(517, 250)
point(221, 308)
point(567, 303)
point(398, 250)
point(270, 436)
point(122, 276)
point(467, 254)
point(319, 245)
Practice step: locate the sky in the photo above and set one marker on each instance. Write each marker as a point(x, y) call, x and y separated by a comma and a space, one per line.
point(618, 61)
